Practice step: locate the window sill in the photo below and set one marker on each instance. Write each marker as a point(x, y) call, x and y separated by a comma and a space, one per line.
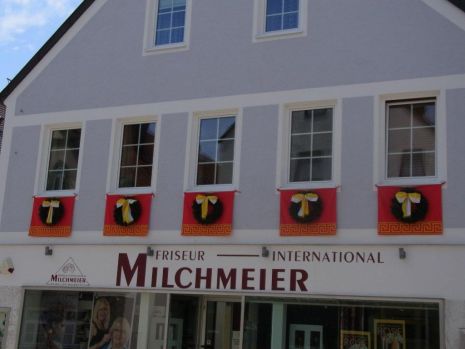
point(212, 188)
point(133, 191)
point(279, 34)
point(182, 46)
point(57, 193)
point(405, 182)
point(308, 185)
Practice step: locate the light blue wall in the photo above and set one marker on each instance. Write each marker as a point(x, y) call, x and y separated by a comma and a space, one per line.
point(23, 157)
point(348, 42)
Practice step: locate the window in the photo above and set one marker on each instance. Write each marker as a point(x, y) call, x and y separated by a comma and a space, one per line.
point(171, 18)
point(136, 161)
point(411, 138)
point(281, 15)
point(276, 19)
point(167, 25)
point(215, 160)
point(63, 159)
point(311, 145)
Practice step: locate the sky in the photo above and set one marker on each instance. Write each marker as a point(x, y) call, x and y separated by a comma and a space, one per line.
point(25, 25)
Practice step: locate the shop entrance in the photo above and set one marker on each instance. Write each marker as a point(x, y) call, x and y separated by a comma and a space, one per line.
point(221, 323)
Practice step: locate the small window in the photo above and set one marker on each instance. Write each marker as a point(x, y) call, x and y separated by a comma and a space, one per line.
point(281, 15)
point(170, 22)
point(63, 159)
point(136, 161)
point(215, 160)
point(311, 145)
point(411, 138)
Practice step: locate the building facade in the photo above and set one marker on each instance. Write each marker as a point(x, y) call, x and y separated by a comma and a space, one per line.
point(237, 174)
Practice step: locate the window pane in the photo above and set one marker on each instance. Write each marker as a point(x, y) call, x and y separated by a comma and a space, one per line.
point(69, 179)
point(322, 144)
point(274, 6)
point(423, 139)
point(54, 180)
point(131, 134)
point(163, 37)
point(226, 127)
point(147, 133)
point(224, 173)
point(145, 155)
point(290, 21)
point(144, 176)
point(258, 328)
point(208, 129)
point(398, 165)
point(301, 121)
point(399, 116)
point(226, 150)
point(273, 23)
point(127, 177)
point(300, 170)
point(178, 19)
point(206, 174)
point(399, 141)
point(300, 146)
point(291, 5)
point(164, 21)
point(207, 151)
point(165, 5)
point(74, 138)
point(58, 139)
point(57, 160)
point(423, 164)
point(424, 114)
point(177, 35)
point(322, 120)
point(129, 156)
point(179, 5)
point(321, 169)
point(72, 159)
point(183, 317)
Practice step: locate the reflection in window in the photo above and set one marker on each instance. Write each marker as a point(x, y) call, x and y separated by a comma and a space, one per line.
point(311, 145)
point(216, 151)
point(171, 17)
point(63, 159)
point(411, 138)
point(281, 15)
point(137, 155)
point(182, 323)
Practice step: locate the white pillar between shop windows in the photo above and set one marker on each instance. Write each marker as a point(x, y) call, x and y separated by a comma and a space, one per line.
point(144, 320)
point(277, 326)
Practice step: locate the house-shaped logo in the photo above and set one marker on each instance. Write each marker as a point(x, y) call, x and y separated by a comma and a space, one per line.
point(68, 274)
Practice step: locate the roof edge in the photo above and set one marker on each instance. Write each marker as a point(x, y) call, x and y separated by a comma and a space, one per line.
point(42, 52)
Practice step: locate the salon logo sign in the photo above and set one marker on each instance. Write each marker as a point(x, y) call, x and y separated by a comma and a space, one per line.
point(68, 275)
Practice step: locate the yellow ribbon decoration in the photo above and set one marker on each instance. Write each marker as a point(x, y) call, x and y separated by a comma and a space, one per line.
point(203, 200)
point(304, 199)
point(406, 199)
point(51, 204)
point(127, 216)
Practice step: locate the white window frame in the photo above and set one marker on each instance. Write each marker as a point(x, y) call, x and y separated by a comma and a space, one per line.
point(150, 30)
point(115, 157)
point(190, 182)
point(259, 21)
point(44, 157)
point(284, 145)
point(380, 172)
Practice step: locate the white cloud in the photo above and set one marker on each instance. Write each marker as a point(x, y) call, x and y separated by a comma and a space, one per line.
point(17, 17)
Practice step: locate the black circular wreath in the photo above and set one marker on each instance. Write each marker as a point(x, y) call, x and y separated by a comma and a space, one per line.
point(316, 207)
point(214, 211)
point(135, 208)
point(57, 214)
point(418, 210)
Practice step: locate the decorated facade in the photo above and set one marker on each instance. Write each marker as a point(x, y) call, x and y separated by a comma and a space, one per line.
point(286, 177)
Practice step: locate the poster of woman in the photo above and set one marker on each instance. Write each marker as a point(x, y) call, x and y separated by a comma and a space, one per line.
point(111, 322)
point(389, 334)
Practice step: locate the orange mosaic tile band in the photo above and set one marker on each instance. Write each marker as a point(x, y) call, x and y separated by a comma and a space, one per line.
point(56, 232)
point(118, 230)
point(206, 230)
point(314, 229)
point(419, 228)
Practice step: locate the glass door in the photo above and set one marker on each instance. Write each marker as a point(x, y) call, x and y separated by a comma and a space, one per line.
point(222, 324)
